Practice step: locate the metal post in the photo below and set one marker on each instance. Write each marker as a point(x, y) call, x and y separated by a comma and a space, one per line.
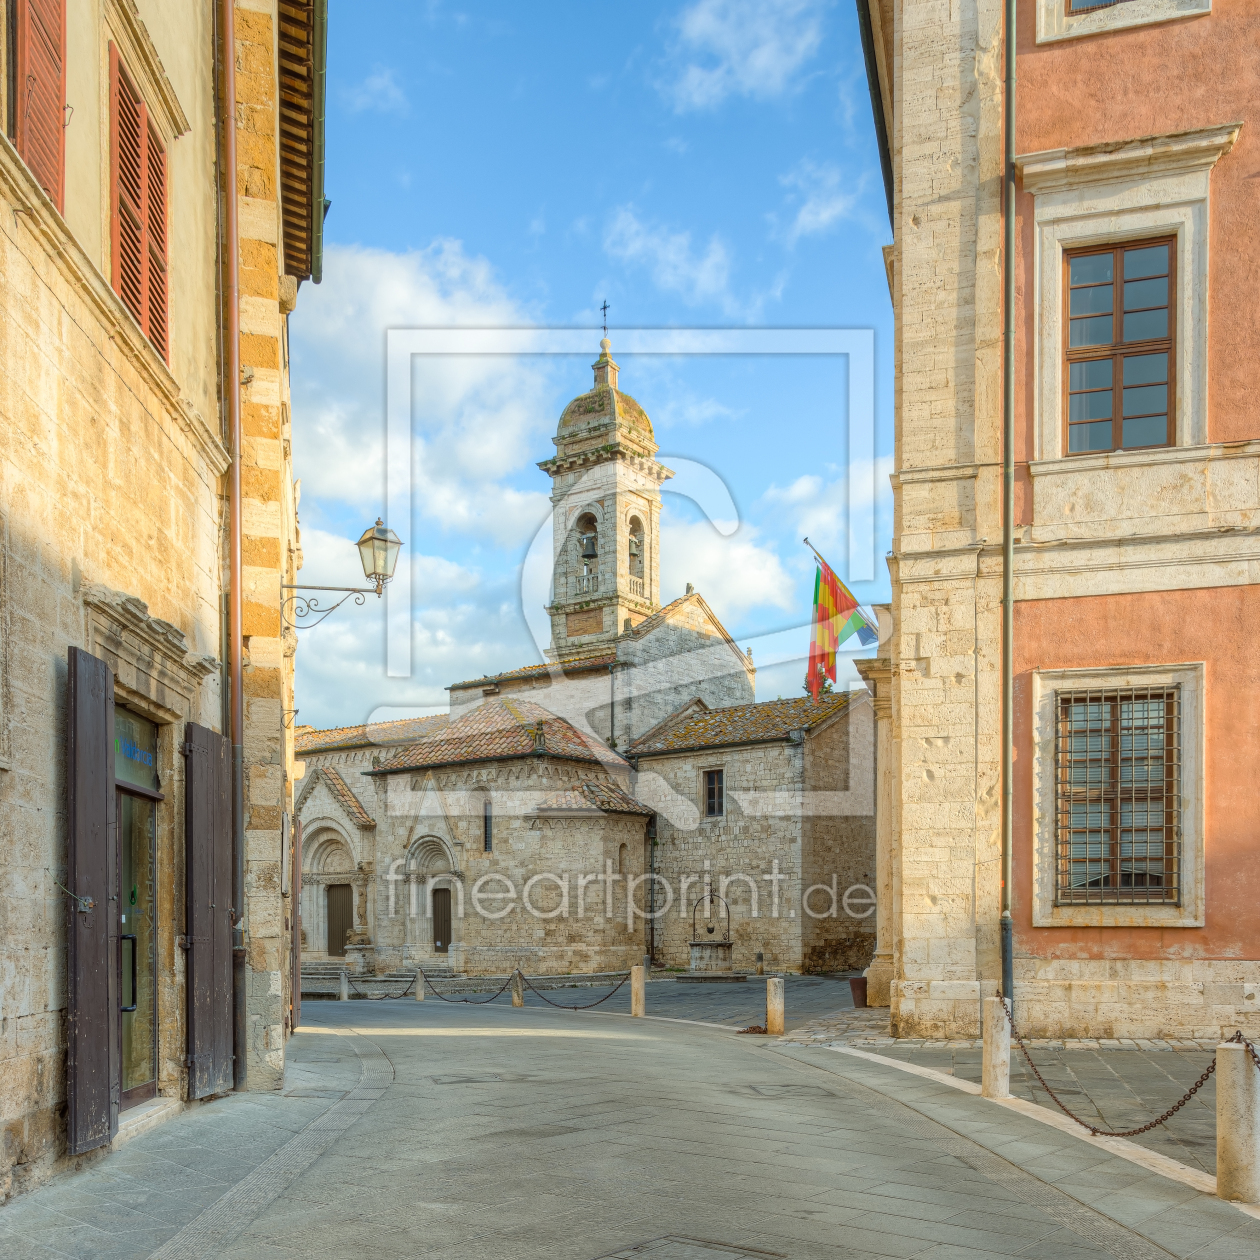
point(1008, 513)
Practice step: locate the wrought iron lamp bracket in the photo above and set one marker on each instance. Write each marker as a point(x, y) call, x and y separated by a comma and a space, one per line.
point(302, 612)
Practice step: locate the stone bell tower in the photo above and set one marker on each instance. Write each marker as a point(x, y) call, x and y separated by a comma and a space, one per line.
point(606, 497)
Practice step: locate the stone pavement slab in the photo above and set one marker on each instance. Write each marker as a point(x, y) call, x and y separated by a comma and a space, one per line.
point(424, 1129)
point(1115, 1085)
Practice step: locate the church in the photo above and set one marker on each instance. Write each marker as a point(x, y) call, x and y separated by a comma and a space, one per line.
point(618, 799)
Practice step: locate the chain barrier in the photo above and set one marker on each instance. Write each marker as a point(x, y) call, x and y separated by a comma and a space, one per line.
point(380, 997)
point(1094, 1129)
point(585, 1006)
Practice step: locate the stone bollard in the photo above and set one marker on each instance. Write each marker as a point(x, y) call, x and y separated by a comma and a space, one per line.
point(518, 988)
point(343, 993)
point(995, 1080)
point(774, 1005)
point(647, 965)
point(419, 986)
point(1237, 1124)
point(638, 994)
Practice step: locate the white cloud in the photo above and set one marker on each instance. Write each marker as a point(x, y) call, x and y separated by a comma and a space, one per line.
point(819, 196)
point(696, 277)
point(379, 92)
point(477, 420)
point(753, 48)
point(463, 626)
point(821, 507)
point(735, 573)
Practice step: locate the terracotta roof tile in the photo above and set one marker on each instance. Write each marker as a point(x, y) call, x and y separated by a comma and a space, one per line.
point(308, 740)
point(341, 790)
point(741, 723)
point(498, 729)
point(590, 797)
point(528, 671)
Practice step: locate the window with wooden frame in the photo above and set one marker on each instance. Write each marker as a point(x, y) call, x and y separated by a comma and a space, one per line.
point(1118, 796)
point(37, 91)
point(714, 794)
point(1120, 355)
point(137, 180)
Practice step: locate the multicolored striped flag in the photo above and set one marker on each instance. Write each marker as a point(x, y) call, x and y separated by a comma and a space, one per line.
point(837, 618)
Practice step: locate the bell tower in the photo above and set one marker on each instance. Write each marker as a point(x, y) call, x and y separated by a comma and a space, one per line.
point(606, 513)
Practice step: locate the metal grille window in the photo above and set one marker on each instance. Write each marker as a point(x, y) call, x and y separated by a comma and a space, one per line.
point(487, 825)
point(714, 794)
point(1118, 796)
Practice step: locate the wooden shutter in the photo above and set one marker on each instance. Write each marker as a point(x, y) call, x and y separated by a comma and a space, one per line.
point(208, 910)
point(138, 210)
point(40, 95)
point(93, 1052)
point(295, 906)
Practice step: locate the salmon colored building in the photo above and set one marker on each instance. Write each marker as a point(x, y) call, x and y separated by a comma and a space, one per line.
point(1135, 890)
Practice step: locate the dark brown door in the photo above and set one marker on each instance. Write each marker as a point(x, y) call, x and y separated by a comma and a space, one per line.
point(340, 917)
point(442, 920)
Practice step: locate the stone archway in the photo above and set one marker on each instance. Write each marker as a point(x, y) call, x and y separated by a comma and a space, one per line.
point(430, 868)
point(327, 859)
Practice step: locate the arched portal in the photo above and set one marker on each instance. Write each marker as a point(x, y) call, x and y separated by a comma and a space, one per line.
point(435, 902)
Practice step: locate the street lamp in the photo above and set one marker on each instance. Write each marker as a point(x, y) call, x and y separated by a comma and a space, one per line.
point(378, 550)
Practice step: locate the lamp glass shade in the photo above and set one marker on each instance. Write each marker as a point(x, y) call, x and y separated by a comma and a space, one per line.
point(378, 549)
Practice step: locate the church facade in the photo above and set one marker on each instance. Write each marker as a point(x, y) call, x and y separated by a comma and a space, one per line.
point(563, 816)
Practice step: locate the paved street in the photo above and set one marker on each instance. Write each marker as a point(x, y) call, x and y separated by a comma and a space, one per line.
point(465, 1132)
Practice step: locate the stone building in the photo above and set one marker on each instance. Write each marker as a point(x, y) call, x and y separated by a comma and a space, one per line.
point(769, 806)
point(576, 789)
point(117, 365)
point(1134, 886)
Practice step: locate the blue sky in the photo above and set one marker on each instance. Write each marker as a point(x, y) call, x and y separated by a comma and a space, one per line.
point(697, 165)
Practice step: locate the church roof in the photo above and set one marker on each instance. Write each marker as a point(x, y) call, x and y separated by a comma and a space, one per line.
point(740, 724)
point(308, 740)
point(590, 797)
point(499, 730)
point(529, 671)
point(607, 404)
point(341, 790)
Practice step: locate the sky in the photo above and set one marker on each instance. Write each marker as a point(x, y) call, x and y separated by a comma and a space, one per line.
point(503, 166)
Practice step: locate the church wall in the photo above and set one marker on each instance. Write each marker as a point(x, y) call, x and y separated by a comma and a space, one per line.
point(430, 835)
point(742, 842)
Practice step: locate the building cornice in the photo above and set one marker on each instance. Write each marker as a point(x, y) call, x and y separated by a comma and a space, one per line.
point(43, 221)
point(141, 57)
point(1059, 170)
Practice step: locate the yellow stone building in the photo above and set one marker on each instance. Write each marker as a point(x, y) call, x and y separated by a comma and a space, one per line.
point(160, 202)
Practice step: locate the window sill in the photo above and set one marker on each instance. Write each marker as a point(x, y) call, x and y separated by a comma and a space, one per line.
point(1118, 917)
point(1055, 23)
point(1142, 458)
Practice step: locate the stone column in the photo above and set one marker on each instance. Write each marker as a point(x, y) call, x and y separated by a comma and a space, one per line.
point(877, 675)
point(774, 1005)
point(638, 995)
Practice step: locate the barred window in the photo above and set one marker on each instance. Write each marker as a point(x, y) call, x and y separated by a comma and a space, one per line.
point(1118, 790)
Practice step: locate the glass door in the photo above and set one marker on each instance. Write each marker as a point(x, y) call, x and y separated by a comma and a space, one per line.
point(137, 947)
point(136, 781)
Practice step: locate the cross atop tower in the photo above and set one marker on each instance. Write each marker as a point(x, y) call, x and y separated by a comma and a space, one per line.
point(604, 309)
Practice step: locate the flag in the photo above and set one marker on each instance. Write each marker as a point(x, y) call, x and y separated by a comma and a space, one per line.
point(837, 618)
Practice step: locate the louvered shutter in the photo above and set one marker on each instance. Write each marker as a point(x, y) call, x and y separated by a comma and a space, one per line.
point(208, 908)
point(93, 1051)
point(138, 210)
point(40, 92)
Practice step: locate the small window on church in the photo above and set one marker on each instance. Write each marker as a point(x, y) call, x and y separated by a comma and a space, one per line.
point(487, 825)
point(714, 794)
point(636, 548)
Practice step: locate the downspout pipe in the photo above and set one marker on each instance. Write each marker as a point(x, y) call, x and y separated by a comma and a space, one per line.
point(232, 401)
point(1008, 515)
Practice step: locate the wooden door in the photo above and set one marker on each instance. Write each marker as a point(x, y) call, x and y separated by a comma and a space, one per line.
point(441, 920)
point(340, 917)
point(208, 909)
